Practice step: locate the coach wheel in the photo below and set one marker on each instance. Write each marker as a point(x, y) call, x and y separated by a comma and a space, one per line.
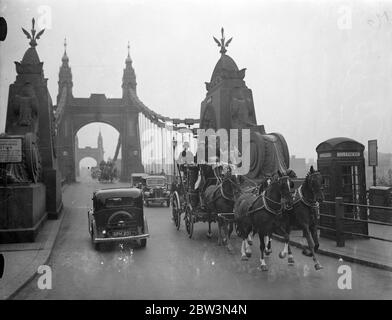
point(189, 220)
point(176, 210)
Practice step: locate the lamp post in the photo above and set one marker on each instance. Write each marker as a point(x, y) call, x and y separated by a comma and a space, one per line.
point(174, 144)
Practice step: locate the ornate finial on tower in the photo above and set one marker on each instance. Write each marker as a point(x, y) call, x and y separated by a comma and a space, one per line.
point(65, 45)
point(129, 55)
point(33, 38)
point(222, 43)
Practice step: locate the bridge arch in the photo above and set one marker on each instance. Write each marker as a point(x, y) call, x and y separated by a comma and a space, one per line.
point(96, 140)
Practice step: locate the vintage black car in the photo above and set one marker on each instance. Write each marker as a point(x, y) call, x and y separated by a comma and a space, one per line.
point(117, 216)
point(156, 190)
point(138, 180)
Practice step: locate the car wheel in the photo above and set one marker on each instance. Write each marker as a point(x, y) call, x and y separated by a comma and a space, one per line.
point(143, 243)
point(97, 246)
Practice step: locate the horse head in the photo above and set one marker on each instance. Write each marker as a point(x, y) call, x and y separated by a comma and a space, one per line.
point(314, 180)
point(231, 184)
point(284, 186)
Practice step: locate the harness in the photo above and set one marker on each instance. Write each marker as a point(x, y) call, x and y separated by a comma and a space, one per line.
point(298, 197)
point(265, 205)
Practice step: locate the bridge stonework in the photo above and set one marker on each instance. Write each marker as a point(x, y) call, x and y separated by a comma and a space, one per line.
point(32, 189)
point(73, 113)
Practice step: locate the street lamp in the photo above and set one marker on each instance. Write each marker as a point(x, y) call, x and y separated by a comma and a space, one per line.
point(174, 143)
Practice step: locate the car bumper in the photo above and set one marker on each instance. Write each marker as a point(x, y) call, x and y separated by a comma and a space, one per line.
point(157, 199)
point(127, 238)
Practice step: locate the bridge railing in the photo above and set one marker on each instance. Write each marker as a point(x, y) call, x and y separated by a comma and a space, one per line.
point(340, 218)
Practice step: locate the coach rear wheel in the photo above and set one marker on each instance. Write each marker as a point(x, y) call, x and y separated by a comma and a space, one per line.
point(189, 220)
point(176, 210)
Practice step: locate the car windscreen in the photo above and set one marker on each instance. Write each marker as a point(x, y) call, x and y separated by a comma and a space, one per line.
point(155, 182)
point(119, 202)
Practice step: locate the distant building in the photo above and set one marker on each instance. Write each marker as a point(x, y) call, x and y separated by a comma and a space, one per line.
point(299, 166)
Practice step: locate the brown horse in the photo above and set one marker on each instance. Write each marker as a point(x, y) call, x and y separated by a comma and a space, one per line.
point(304, 212)
point(261, 214)
point(219, 199)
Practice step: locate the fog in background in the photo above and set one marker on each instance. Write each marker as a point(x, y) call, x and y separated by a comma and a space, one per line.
point(317, 69)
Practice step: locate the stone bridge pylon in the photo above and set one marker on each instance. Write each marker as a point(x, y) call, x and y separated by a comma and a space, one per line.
point(31, 189)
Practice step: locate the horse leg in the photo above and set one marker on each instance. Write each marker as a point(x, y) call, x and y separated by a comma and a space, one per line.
point(290, 257)
point(314, 233)
point(227, 238)
point(263, 265)
point(268, 249)
point(248, 249)
point(309, 238)
point(244, 256)
point(231, 228)
point(250, 239)
point(209, 233)
point(219, 233)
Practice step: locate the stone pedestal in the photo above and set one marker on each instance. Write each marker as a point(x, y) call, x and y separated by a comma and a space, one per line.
point(22, 212)
point(51, 177)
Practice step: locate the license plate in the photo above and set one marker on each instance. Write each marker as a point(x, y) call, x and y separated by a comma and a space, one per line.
point(121, 233)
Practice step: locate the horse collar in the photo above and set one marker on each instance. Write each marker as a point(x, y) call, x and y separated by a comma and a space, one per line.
point(306, 202)
point(276, 213)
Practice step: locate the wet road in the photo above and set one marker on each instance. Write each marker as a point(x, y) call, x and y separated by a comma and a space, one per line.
point(172, 266)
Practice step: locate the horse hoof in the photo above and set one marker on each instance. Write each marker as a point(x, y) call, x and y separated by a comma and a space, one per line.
point(318, 266)
point(244, 258)
point(249, 254)
point(209, 235)
point(264, 268)
point(282, 255)
point(290, 261)
point(230, 249)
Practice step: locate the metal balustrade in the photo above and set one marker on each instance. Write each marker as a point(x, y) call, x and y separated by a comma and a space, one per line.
point(340, 218)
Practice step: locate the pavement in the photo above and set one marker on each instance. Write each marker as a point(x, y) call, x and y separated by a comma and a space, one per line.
point(172, 266)
point(23, 259)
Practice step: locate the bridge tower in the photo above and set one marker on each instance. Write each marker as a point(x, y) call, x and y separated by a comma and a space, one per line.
point(72, 113)
point(130, 135)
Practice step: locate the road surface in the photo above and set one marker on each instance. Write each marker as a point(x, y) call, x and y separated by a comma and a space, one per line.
point(172, 266)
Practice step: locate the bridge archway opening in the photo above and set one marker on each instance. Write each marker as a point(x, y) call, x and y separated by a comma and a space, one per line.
point(85, 166)
point(97, 141)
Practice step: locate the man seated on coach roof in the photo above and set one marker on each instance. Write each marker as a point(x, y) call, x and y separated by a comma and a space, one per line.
point(186, 156)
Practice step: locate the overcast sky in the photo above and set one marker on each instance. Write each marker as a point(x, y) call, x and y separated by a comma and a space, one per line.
point(317, 69)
